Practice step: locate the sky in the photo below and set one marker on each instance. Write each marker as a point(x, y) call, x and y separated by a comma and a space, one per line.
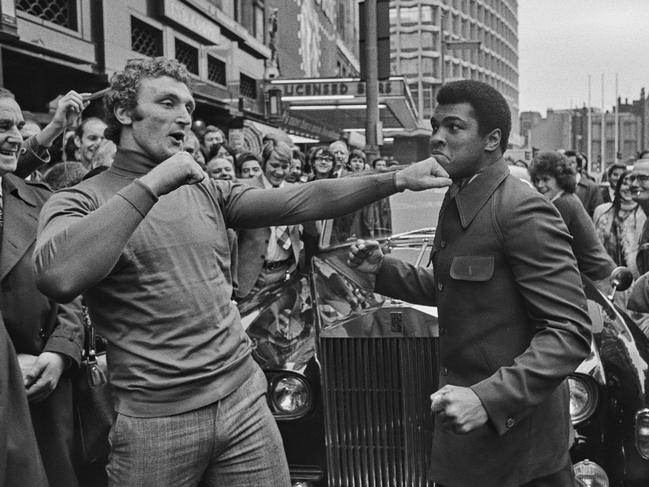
point(561, 42)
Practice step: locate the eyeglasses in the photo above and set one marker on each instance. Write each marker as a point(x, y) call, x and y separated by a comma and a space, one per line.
point(641, 178)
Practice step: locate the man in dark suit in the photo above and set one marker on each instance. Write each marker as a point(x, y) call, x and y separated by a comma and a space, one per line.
point(512, 313)
point(47, 337)
point(587, 190)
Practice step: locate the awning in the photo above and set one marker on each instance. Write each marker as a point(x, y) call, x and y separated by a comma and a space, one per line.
point(340, 105)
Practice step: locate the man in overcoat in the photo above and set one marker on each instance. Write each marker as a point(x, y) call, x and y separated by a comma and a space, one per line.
point(47, 336)
point(513, 319)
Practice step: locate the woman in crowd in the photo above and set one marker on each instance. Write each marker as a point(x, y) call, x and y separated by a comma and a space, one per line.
point(248, 165)
point(361, 223)
point(555, 179)
point(321, 161)
point(619, 224)
point(297, 171)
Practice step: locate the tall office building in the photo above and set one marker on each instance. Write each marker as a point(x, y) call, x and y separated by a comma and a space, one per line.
point(425, 47)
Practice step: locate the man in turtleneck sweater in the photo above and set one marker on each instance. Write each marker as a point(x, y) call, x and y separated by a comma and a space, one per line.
point(146, 243)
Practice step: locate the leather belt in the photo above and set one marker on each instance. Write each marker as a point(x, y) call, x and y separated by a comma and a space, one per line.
point(277, 264)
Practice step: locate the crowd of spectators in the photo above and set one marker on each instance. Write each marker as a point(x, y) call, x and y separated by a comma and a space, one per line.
point(607, 220)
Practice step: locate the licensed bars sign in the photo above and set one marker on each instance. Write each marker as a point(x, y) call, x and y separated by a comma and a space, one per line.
point(338, 88)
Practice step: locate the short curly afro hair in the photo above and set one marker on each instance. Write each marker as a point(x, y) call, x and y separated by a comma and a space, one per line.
point(125, 86)
point(556, 165)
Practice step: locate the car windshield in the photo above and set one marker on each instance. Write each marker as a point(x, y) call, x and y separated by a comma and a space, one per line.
point(387, 219)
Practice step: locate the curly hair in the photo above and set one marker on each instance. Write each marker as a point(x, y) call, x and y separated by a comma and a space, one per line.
point(489, 105)
point(556, 165)
point(125, 86)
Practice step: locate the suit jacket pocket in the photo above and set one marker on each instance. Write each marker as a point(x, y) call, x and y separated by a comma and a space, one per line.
point(472, 268)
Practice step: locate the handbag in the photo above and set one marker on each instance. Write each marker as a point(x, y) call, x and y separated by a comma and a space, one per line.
point(94, 413)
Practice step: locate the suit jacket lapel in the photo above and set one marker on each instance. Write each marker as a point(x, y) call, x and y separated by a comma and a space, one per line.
point(20, 213)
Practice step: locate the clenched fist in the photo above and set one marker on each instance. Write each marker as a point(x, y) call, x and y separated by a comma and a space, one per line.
point(179, 170)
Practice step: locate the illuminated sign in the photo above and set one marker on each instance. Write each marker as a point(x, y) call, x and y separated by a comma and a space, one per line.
point(338, 88)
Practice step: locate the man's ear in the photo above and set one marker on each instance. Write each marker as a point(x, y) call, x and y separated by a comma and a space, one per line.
point(77, 141)
point(493, 140)
point(123, 115)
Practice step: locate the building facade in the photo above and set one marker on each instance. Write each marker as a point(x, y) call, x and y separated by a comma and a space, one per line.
point(424, 47)
point(48, 47)
point(568, 129)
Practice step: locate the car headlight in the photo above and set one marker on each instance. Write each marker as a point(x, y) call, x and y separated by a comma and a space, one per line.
point(290, 396)
point(642, 433)
point(584, 395)
point(589, 474)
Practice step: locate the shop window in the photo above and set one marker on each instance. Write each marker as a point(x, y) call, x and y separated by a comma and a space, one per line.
point(216, 70)
point(145, 38)
point(60, 12)
point(187, 55)
point(247, 87)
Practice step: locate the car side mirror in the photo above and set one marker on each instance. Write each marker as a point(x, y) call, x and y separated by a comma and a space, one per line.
point(621, 280)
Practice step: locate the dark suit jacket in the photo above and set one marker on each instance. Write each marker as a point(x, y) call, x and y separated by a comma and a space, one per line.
point(36, 324)
point(20, 460)
point(589, 194)
point(512, 323)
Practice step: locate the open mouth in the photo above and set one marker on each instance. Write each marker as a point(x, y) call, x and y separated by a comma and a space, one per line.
point(9, 152)
point(178, 137)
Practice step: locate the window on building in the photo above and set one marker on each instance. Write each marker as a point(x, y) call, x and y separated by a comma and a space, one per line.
point(428, 41)
point(187, 55)
point(145, 38)
point(426, 66)
point(60, 12)
point(409, 66)
point(427, 14)
point(216, 70)
point(393, 16)
point(247, 86)
point(260, 22)
point(409, 15)
point(410, 41)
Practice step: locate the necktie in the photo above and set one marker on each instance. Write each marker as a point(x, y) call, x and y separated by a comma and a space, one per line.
point(283, 237)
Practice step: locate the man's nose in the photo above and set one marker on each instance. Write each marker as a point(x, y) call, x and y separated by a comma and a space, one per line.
point(184, 117)
point(14, 136)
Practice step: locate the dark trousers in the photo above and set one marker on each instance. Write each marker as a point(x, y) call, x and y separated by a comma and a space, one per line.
point(563, 478)
point(53, 421)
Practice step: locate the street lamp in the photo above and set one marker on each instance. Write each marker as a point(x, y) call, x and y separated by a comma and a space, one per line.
point(454, 45)
point(274, 104)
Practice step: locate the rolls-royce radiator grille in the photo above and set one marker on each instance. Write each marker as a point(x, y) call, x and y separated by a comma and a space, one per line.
point(377, 410)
